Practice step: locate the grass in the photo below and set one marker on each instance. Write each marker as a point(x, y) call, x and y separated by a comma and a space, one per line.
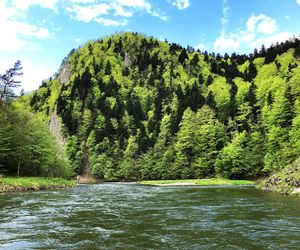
point(16, 184)
point(200, 182)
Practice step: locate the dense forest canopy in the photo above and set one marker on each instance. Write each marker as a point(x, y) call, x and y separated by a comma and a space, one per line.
point(133, 107)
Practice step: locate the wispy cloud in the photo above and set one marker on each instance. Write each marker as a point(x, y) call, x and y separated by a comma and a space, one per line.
point(101, 11)
point(225, 18)
point(120, 11)
point(83, 1)
point(88, 13)
point(142, 4)
point(225, 42)
point(181, 4)
point(25, 4)
point(111, 22)
point(158, 13)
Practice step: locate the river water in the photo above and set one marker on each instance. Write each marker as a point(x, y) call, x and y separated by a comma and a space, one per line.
point(131, 216)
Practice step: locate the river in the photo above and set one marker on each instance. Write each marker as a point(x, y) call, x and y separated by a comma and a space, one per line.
point(131, 216)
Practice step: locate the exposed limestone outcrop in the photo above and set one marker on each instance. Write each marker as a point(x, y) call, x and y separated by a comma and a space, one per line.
point(55, 129)
point(64, 74)
point(127, 60)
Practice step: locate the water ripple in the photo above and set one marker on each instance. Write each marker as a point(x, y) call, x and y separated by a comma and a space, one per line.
point(130, 216)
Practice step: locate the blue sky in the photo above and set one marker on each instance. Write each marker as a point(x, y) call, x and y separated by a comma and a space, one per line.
point(40, 33)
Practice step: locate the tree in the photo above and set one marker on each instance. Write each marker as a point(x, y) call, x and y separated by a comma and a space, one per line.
point(26, 146)
point(250, 72)
point(194, 98)
point(128, 167)
point(6, 136)
point(222, 95)
point(195, 60)
point(8, 80)
point(230, 162)
point(242, 157)
point(183, 56)
point(108, 68)
point(199, 139)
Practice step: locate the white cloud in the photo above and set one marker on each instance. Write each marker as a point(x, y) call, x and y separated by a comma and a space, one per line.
point(260, 30)
point(262, 23)
point(95, 10)
point(160, 15)
point(88, 13)
point(202, 47)
point(25, 4)
point(29, 30)
point(16, 34)
point(181, 4)
point(224, 19)
point(83, 1)
point(101, 10)
point(224, 44)
point(141, 4)
point(269, 40)
point(110, 22)
point(246, 37)
point(126, 8)
point(298, 2)
point(120, 11)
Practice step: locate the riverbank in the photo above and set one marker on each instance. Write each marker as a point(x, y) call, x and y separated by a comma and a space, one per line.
point(18, 184)
point(198, 182)
point(286, 181)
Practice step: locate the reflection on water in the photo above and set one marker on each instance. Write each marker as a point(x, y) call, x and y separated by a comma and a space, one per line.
point(123, 216)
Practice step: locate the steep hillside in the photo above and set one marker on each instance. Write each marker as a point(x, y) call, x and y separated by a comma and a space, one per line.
point(133, 107)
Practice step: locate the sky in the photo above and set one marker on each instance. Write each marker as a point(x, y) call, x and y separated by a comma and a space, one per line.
point(40, 33)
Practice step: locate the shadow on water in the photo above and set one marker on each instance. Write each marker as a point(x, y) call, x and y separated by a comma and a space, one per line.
point(131, 216)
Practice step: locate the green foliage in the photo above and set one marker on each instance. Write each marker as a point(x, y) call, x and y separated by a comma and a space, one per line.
point(199, 138)
point(27, 148)
point(241, 158)
point(221, 92)
point(133, 107)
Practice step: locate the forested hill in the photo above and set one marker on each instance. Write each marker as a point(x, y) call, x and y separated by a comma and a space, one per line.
point(133, 107)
